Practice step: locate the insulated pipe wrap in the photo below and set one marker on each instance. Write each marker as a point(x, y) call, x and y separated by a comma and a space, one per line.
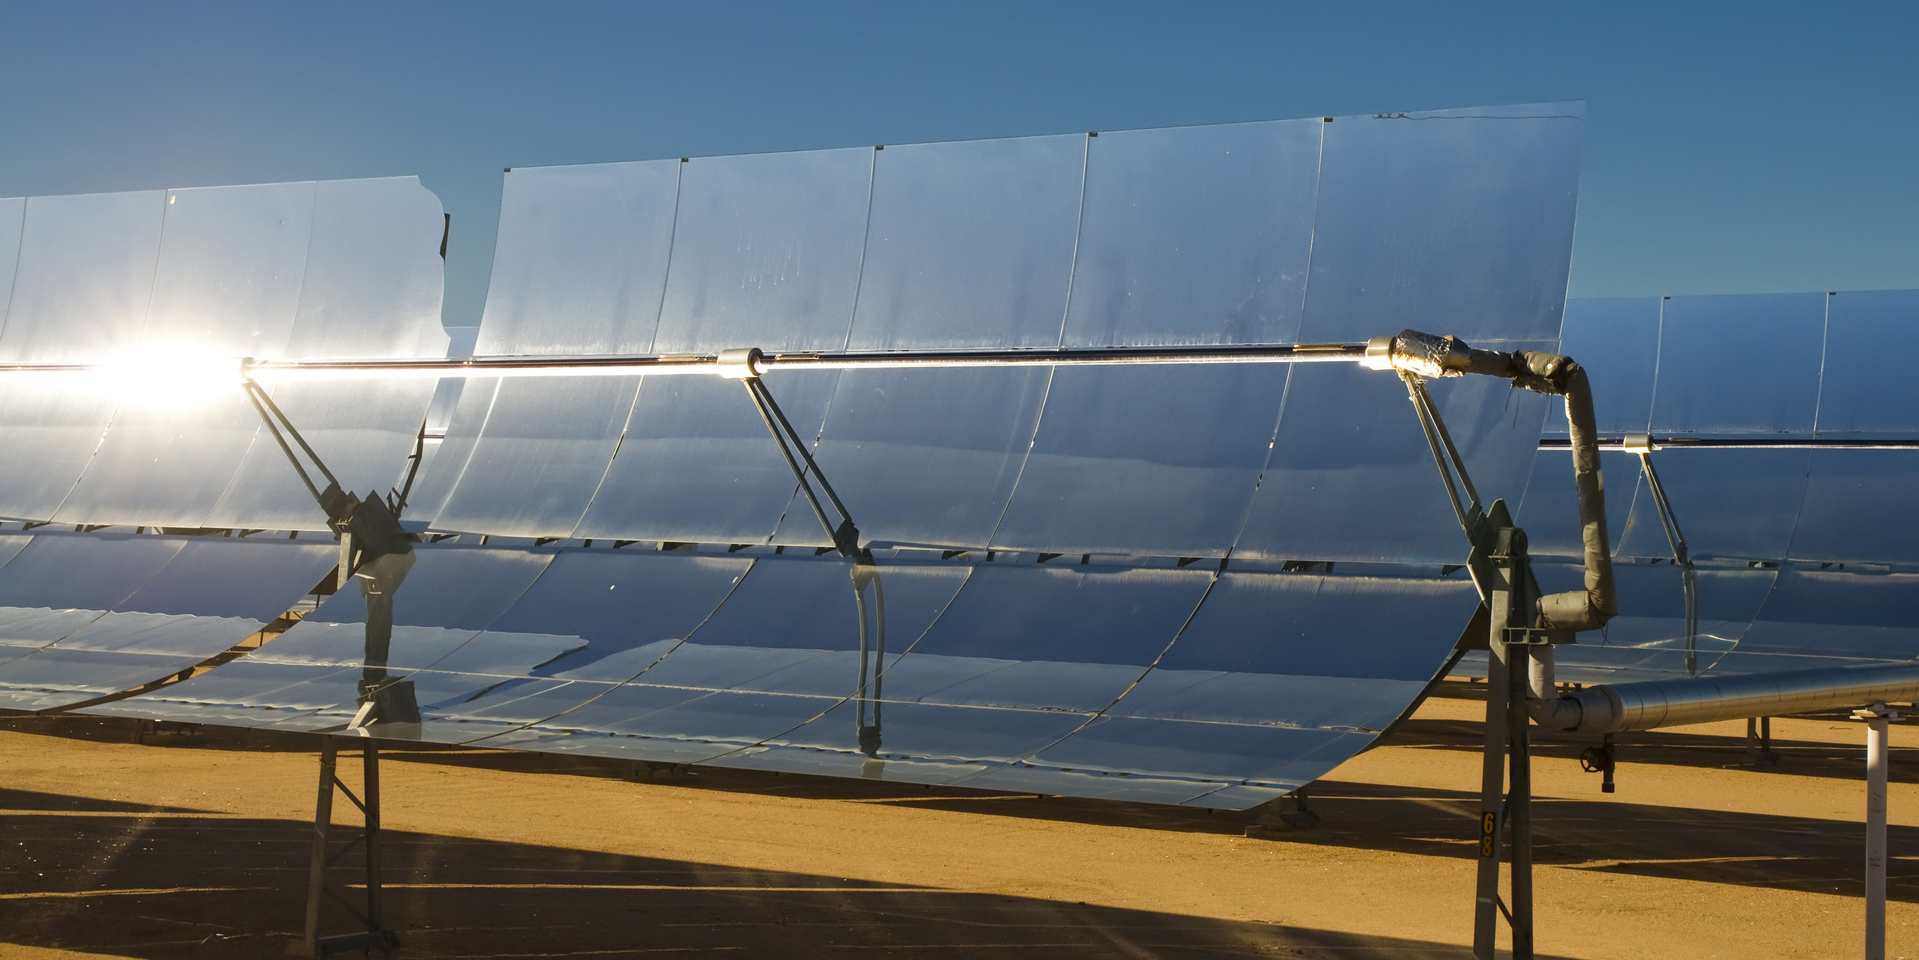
point(1554, 375)
point(1599, 603)
point(1666, 703)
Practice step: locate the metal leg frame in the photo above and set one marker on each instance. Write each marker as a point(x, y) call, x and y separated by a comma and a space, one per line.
point(1506, 771)
point(375, 936)
point(1759, 742)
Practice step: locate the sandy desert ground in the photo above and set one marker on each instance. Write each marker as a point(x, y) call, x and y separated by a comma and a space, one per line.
point(195, 845)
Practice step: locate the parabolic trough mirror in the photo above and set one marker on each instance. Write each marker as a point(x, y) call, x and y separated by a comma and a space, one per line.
point(1201, 583)
point(1197, 582)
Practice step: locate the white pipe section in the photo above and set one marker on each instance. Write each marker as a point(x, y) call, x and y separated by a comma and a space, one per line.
point(1877, 718)
point(1667, 703)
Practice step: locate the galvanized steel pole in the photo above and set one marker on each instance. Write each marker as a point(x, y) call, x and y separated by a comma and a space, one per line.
point(1877, 719)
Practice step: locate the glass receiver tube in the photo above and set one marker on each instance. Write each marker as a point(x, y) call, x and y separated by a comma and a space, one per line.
point(1153, 460)
point(1745, 364)
point(766, 251)
point(1195, 235)
point(581, 260)
point(970, 244)
point(1454, 221)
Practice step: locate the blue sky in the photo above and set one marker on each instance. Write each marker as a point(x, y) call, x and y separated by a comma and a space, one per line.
point(1730, 148)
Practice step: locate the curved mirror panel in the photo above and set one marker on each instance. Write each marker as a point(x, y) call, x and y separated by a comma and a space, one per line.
point(211, 595)
point(924, 457)
point(697, 462)
point(1352, 478)
point(1813, 613)
point(970, 244)
point(766, 252)
point(85, 276)
point(543, 448)
point(1617, 342)
point(1451, 221)
point(1647, 641)
point(1277, 679)
point(1859, 507)
point(1195, 235)
point(616, 612)
point(743, 677)
point(580, 263)
point(1868, 387)
point(1747, 364)
point(1739, 504)
point(1145, 459)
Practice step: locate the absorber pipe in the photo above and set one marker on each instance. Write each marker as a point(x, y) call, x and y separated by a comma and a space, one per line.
point(1613, 708)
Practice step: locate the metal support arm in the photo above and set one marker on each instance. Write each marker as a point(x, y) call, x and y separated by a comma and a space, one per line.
point(374, 549)
point(1689, 580)
point(746, 365)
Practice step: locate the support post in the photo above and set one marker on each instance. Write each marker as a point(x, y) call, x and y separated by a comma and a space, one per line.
point(370, 785)
point(1877, 719)
point(375, 936)
point(1506, 763)
point(322, 826)
point(1492, 783)
point(1519, 795)
point(1759, 742)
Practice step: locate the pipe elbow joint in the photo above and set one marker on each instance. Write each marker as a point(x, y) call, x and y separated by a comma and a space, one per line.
point(1556, 713)
point(1575, 610)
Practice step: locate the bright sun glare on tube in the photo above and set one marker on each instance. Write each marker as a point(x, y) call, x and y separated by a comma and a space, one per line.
point(171, 378)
